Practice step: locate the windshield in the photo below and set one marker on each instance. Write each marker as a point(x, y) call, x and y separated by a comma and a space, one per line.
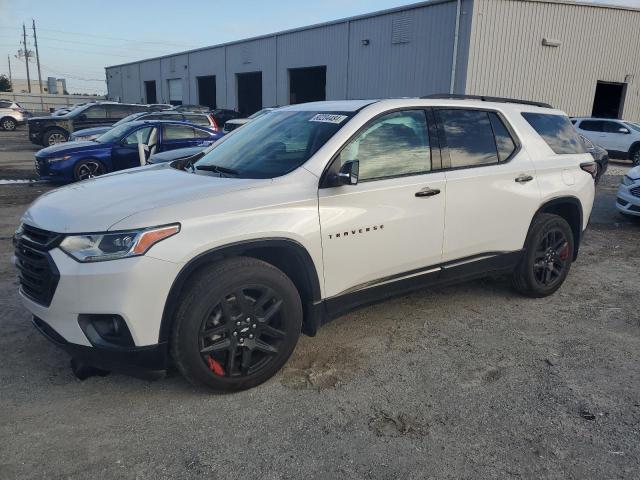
point(273, 144)
point(128, 118)
point(634, 126)
point(116, 133)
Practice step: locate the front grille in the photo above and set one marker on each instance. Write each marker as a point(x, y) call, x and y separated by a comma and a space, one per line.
point(37, 273)
point(635, 191)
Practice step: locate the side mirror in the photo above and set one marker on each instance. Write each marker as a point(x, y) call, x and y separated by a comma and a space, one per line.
point(349, 173)
point(623, 130)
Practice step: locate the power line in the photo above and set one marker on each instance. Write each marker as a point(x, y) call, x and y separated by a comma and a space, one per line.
point(75, 42)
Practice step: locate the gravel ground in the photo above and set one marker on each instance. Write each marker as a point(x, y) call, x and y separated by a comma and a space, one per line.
point(471, 381)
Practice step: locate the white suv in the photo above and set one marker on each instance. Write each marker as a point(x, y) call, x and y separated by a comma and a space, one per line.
point(620, 138)
point(11, 115)
point(220, 261)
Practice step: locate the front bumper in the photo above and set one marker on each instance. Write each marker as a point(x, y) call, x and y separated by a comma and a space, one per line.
point(626, 201)
point(61, 170)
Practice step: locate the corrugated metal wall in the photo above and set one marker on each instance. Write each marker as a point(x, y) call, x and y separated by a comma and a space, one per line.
point(507, 58)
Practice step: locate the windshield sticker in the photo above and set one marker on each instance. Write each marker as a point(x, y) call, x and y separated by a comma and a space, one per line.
point(328, 118)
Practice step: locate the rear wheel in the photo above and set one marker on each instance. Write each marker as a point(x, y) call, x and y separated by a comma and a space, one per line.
point(53, 137)
point(9, 124)
point(86, 169)
point(237, 324)
point(547, 259)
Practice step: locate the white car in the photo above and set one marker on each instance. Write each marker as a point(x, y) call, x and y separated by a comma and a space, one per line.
point(619, 137)
point(221, 261)
point(11, 115)
point(628, 201)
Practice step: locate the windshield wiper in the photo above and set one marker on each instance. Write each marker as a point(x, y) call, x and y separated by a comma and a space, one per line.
point(218, 169)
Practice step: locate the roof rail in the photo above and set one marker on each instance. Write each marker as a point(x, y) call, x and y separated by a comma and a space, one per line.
point(485, 99)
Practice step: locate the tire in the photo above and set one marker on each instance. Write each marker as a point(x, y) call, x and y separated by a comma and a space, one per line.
point(86, 169)
point(547, 258)
point(634, 155)
point(53, 137)
point(214, 333)
point(8, 124)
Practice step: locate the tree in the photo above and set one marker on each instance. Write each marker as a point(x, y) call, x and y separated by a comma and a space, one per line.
point(5, 84)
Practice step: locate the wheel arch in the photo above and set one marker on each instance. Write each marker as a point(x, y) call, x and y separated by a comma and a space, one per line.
point(285, 254)
point(569, 208)
point(7, 117)
point(634, 146)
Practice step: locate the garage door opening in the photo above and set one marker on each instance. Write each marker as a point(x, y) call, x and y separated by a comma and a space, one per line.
point(207, 91)
point(307, 84)
point(175, 91)
point(150, 91)
point(249, 92)
point(609, 100)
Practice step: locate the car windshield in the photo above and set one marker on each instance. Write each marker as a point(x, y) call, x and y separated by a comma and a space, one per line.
point(273, 144)
point(116, 133)
point(128, 118)
point(634, 126)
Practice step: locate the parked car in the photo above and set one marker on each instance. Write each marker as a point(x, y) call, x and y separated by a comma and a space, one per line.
point(599, 154)
point(11, 115)
point(628, 200)
point(206, 120)
point(177, 154)
point(619, 137)
point(234, 123)
point(56, 129)
point(297, 218)
point(223, 115)
point(118, 149)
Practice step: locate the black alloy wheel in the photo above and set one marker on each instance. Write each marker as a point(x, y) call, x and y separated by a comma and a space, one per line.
point(551, 258)
point(88, 169)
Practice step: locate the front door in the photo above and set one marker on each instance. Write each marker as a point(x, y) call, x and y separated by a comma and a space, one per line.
point(93, 116)
point(126, 153)
point(390, 225)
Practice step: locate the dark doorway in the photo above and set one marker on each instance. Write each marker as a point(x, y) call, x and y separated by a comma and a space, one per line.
point(608, 100)
point(207, 91)
point(307, 84)
point(150, 91)
point(249, 92)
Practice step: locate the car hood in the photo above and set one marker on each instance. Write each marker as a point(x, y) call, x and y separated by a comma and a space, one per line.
point(69, 147)
point(634, 173)
point(96, 205)
point(176, 154)
point(91, 131)
point(49, 117)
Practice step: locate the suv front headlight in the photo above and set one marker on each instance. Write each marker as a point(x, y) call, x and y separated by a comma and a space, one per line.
point(99, 247)
point(626, 180)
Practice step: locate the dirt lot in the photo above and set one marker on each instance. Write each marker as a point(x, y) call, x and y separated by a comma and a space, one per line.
point(471, 381)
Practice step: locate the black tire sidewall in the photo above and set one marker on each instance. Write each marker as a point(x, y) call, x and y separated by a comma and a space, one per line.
point(528, 282)
point(204, 291)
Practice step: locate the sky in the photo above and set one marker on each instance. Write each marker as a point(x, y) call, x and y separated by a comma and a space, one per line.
point(76, 42)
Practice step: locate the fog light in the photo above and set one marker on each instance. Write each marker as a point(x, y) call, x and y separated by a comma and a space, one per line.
point(106, 331)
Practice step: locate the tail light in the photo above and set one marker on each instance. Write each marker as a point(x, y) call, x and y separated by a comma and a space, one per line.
point(214, 124)
point(590, 167)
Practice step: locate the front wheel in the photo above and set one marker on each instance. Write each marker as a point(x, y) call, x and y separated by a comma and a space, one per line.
point(9, 124)
point(547, 258)
point(53, 137)
point(86, 169)
point(635, 156)
point(236, 325)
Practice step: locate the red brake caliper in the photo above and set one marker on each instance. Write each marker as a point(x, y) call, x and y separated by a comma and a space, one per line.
point(564, 253)
point(215, 366)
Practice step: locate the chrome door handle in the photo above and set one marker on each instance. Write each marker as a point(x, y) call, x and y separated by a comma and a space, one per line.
point(524, 178)
point(427, 192)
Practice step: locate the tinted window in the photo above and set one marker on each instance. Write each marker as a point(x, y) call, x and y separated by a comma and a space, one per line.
point(139, 136)
point(117, 111)
point(201, 133)
point(96, 111)
point(163, 116)
point(5, 104)
point(395, 144)
point(591, 125)
point(504, 141)
point(177, 132)
point(469, 137)
point(613, 127)
point(197, 119)
point(557, 131)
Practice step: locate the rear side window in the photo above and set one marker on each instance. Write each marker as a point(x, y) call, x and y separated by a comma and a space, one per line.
point(197, 119)
point(5, 104)
point(96, 111)
point(557, 131)
point(504, 141)
point(178, 132)
point(469, 137)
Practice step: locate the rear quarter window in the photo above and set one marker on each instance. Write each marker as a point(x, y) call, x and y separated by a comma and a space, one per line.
point(557, 131)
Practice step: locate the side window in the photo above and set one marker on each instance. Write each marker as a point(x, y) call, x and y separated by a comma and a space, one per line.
point(395, 144)
point(469, 137)
point(177, 132)
point(117, 111)
point(557, 131)
point(5, 104)
point(504, 141)
point(614, 127)
point(591, 125)
point(139, 136)
point(201, 133)
point(197, 119)
point(96, 111)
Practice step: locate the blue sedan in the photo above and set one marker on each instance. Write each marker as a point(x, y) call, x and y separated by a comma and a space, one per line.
point(125, 146)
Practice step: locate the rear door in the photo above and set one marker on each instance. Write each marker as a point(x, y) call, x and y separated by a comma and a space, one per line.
point(617, 135)
point(491, 192)
point(387, 228)
point(594, 131)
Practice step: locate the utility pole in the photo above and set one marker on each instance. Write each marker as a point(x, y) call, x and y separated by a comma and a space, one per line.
point(9, 60)
point(26, 55)
point(35, 40)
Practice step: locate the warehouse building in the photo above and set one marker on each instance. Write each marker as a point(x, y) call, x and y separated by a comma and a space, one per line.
point(582, 58)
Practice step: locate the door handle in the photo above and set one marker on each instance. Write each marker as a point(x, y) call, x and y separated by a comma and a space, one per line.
point(427, 192)
point(524, 178)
